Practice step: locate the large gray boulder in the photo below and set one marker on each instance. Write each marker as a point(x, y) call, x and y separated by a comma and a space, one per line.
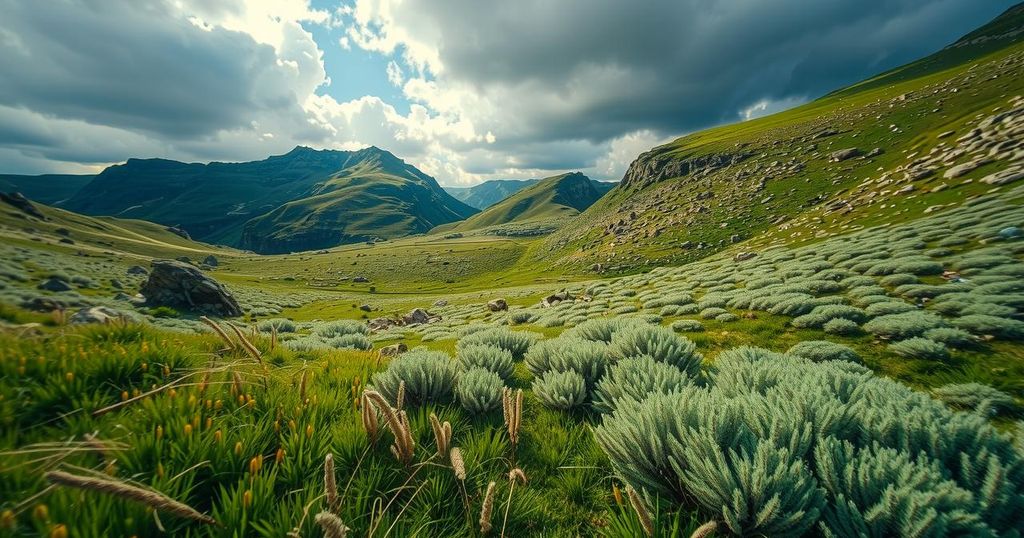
point(186, 287)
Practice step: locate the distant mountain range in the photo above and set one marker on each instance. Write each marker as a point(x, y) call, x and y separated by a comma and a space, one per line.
point(493, 191)
point(549, 200)
point(304, 199)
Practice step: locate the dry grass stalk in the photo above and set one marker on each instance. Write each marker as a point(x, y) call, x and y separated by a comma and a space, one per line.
point(332, 525)
point(705, 530)
point(330, 486)
point(219, 330)
point(398, 423)
point(302, 383)
point(458, 466)
point(369, 415)
point(641, 511)
point(486, 509)
point(442, 434)
point(515, 475)
point(236, 380)
point(273, 337)
point(512, 404)
point(246, 344)
point(150, 498)
point(400, 400)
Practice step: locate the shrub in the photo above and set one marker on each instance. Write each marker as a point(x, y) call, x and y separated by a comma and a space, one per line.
point(727, 317)
point(952, 337)
point(713, 312)
point(894, 306)
point(687, 326)
point(841, 326)
point(429, 376)
point(635, 379)
point(659, 343)
point(823, 350)
point(340, 327)
point(586, 358)
point(479, 390)
point(920, 348)
point(561, 390)
point(1008, 329)
point(825, 313)
point(519, 317)
point(281, 324)
point(898, 279)
point(598, 329)
point(903, 325)
point(492, 358)
point(977, 397)
point(515, 342)
point(351, 341)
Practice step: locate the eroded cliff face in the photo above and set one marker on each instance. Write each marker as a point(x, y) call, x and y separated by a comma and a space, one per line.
point(658, 165)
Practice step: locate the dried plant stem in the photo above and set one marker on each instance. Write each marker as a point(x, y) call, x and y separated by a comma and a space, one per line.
point(705, 530)
point(330, 486)
point(220, 332)
point(150, 498)
point(246, 344)
point(486, 509)
point(369, 416)
point(332, 525)
point(398, 424)
point(641, 511)
point(442, 434)
point(513, 476)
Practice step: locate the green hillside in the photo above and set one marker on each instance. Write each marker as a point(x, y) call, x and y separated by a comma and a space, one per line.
point(362, 203)
point(778, 178)
point(544, 204)
point(47, 188)
point(213, 202)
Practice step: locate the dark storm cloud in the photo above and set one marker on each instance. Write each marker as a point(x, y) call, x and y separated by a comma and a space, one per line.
point(133, 64)
point(602, 68)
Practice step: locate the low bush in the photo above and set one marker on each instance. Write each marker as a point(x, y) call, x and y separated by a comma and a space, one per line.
point(341, 327)
point(429, 376)
point(491, 358)
point(823, 314)
point(713, 312)
point(952, 337)
point(983, 399)
point(598, 329)
point(841, 327)
point(479, 390)
point(894, 306)
point(687, 326)
point(903, 325)
point(634, 379)
point(561, 390)
point(920, 348)
point(823, 350)
point(659, 343)
point(515, 342)
point(727, 317)
point(351, 341)
point(980, 324)
point(281, 324)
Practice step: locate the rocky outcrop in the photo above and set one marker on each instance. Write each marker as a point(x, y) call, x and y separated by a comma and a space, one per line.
point(655, 165)
point(184, 286)
point(497, 305)
point(21, 203)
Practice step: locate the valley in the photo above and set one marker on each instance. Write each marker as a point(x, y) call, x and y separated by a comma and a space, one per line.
point(805, 324)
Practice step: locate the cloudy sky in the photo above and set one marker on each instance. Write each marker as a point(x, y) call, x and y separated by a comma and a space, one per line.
point(466, 90)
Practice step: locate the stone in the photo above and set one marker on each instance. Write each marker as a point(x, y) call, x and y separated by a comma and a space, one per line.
point(54, 284)
point(393, 350)
point(365, 308)
point(440, 302)
point(180, 232)
point(122, 296)
point(211, 260)
point(43, 304)
point(137, 270)
point(116, 284)
point(1003, 177)
point(744, 256)
point(381, 324)
point(184, 259)
point(95, 314)
point(183, 286)
point(417, 315)
point(875, 152)
point(1011, 232)
point(497, 305)
point(843, 154)
point(360, 279)
point(555, 298)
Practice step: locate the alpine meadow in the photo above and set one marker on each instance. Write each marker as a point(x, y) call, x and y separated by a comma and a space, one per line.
point(374, 268)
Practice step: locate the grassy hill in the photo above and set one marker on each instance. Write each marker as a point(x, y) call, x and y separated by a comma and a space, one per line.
point(780, 176)
point(490, 192)
point(47, 188)
point(543, 204)
point(213, 202)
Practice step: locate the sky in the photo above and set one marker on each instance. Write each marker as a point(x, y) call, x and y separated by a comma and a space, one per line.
point(466, 90)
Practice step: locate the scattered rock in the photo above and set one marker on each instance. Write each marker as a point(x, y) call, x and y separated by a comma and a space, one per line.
point(116, 284)
point(54, 284)
point(184, 259)
point(393, 350)
point(965, 168)
point(417, 315)
point(381, 324)
point(1006, 176)
point(497, 305)
point(843, 154)
point(875, 152)
point(440, 303)
point(1011, 232)
point(211, 260)
point(43, 304)
point(744, 256)
point(555, 298)
point(365, 308)
point(137, 270)
point(95, 314)
point(177, 230)
point(360, 279)
point(181, 285)
point(122, 296)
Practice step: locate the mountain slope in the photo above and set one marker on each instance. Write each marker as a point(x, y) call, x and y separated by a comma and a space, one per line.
point(47, 188)
point(490, 192)
point(785, 177)
point(552, 199)
point(360, 203)
point(213, 202)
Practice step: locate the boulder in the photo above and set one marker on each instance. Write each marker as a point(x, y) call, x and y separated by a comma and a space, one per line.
point(184, 286)
point(21, 203)
point(555, 298)
point(184, 259)
point(95, 314)
point(497, 305)
point(211, 260)
point(381, 324)
point(365, 308)
point(744, 256)
point(360, 279)
point(393, 350)
point(43, 304)
point(137, 270)
point(417, 315)
point(180, 232)
point(54, 284)
point(843, 154)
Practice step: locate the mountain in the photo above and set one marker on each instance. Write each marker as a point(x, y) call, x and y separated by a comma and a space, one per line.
point(909, 141)
point(379, 197)
point(49, 189)
point(490, 192)
point(548, 201)
point(214, 202)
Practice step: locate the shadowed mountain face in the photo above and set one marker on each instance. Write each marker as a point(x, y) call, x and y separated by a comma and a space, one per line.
point(49, 189)
point(300, 200)
point(549, 200)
